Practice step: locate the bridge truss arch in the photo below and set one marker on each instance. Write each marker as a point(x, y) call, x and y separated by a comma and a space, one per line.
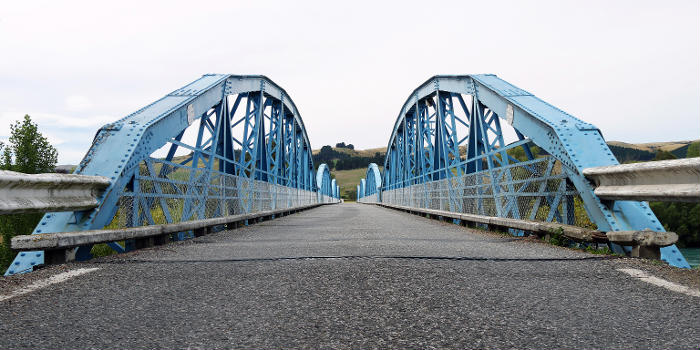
point(327, 186)
point(221, 145)
point(447, 151)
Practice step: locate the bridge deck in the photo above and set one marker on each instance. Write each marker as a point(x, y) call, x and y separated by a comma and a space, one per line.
point(351, 276)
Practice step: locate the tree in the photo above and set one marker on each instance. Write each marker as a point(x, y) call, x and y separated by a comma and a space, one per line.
point(664, 155)
point(340, 145)
point(28, 152)
point(693, 150)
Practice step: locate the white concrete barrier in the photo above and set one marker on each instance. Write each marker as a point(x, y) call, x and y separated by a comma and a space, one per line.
point(32, 193)
point(675, 180)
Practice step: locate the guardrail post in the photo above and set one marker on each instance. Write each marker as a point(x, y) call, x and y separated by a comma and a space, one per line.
point(199, 232)
point(161, 239)
point(59, 256)
point(649, 252)
point(145, 242)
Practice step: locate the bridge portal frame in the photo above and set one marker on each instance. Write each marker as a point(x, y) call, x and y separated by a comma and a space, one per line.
point(251, 145)
point(424, 147)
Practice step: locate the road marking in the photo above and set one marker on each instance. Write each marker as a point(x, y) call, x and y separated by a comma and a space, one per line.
point(643, 276)
point(61, 277)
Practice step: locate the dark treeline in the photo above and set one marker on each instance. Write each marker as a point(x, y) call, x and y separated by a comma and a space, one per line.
point(354, 162)
point(626, 154)
point(681, 218)
point(343, 145)
point(344, 161)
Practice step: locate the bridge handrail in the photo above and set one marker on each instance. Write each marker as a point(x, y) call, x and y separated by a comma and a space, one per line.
point(57, 244)
point(36, 193)
point(676, 180)
point(645, 243)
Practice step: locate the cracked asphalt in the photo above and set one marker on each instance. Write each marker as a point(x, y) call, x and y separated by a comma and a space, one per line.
point(350, 276)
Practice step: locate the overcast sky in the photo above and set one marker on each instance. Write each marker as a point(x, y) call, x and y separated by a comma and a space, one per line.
point(632, 68)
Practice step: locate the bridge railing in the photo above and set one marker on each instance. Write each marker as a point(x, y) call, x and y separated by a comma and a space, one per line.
point(151, 215)
point(165, 198)
point(23, 193)
point(676, 180)
point(372, 198)
point(59, 247)
point(534, 190)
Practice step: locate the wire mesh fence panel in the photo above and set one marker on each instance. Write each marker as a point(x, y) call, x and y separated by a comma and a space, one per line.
point(534, 190)
point(165, 192)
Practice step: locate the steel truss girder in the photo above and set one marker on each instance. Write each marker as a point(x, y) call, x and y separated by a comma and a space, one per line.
point(429, 114)
point(323, 180)
point(274, 148)
point(373, 180)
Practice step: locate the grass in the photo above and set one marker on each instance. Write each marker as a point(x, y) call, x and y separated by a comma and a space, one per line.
point(348, 181)
point(652, 146)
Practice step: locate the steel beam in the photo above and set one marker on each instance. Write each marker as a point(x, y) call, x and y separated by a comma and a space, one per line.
point(676, 180)
point(39, 193)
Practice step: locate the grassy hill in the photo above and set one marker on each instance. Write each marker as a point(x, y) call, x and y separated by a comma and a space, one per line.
point(653, 146)
point(348, 181)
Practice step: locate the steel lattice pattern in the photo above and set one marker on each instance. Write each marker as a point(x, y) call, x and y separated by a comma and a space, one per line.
point(528, 190)
point(163, 199)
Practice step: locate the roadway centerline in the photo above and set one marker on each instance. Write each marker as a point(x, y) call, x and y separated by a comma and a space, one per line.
point(643, 276)
point(61, 277)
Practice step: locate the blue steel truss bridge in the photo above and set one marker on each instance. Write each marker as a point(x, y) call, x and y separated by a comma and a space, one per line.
point(219, 146)
point(229, 236)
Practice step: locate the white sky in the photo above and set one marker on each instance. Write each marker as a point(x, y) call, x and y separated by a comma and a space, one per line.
point(632, 68)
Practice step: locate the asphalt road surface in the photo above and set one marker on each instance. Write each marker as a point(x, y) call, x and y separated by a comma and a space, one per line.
point(350, 276)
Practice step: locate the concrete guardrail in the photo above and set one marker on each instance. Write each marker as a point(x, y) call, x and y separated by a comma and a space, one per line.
point(675, 180)
point(645, 244)
point(36, 193)
point(58, 247)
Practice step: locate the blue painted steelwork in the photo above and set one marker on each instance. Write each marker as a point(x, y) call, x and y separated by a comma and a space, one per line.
point(447, 151)
point(373, 180)
point(223, 144)
point(323, 180)
point(334, 188)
